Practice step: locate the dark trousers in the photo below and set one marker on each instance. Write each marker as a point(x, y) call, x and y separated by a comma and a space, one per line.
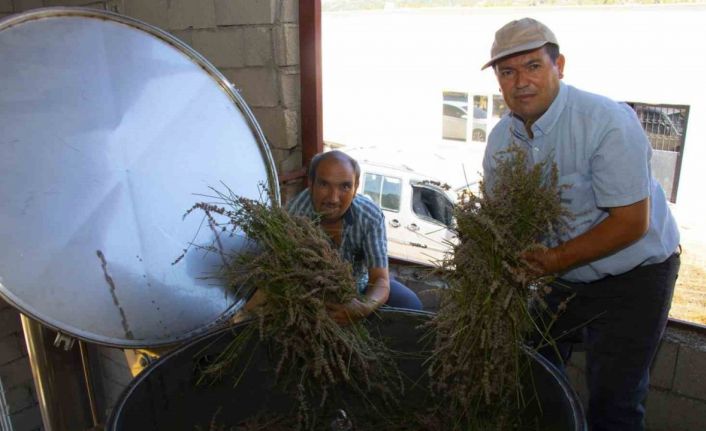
point(621, 320)
point(402, 296)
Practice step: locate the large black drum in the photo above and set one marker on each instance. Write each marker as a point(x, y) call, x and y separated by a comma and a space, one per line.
point(166, 396)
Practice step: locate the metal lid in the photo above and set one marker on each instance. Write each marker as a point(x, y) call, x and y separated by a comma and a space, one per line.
point(111, 129)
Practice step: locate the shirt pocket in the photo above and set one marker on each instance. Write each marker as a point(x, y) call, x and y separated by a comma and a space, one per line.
point(577, 195)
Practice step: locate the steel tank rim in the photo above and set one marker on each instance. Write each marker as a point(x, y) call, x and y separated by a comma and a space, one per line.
point(570, 394)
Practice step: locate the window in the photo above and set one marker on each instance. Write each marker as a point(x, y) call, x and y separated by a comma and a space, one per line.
point(372, 186)
point(431, 203)
point(480, 118)
point(391, 191)
point(383, 190)
point(454, 111)
point(478, 133)
point(499, 106)
point(480, 107)
point(665, 127)
point(454, 115)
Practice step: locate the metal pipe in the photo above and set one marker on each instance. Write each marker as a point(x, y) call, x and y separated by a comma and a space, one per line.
point(57, 378)
point(88, 380)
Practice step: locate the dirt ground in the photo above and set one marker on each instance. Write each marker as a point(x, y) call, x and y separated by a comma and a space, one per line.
point(689, 301)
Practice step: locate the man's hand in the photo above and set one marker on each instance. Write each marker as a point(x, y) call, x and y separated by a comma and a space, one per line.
point(354, 310)
point(541, 261)
point(623, 226)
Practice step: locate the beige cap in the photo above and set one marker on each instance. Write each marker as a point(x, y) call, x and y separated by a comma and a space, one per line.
point(517, 36)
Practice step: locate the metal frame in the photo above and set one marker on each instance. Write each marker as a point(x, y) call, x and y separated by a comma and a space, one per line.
point(226, 85)
point(680, 154)
point(311, 89)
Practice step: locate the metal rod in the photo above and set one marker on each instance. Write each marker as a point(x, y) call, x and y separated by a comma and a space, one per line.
point(57, 379)
point(38, 362)
point(88, 380)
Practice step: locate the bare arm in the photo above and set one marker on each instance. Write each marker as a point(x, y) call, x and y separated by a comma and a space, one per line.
point(377, 293)
point(623, 226)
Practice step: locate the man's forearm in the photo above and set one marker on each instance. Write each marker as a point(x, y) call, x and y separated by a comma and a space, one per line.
point(622, 227)
point(378, 292)
point(379, 289)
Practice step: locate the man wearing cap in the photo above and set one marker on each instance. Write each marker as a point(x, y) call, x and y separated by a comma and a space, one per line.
point(619, 263)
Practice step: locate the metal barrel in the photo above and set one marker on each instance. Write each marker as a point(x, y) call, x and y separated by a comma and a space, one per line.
point(166, 397)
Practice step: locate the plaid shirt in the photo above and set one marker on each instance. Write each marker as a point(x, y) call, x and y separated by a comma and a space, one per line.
point(363, 242)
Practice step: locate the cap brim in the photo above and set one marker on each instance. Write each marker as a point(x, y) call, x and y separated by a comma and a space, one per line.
point(514, 50)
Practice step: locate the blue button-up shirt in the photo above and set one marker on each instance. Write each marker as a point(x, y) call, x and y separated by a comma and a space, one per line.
point(363, 241)
point(603, 155)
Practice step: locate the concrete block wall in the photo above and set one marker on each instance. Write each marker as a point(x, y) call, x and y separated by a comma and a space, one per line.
point(255, 44)
point(677, 398)
point(18, 403)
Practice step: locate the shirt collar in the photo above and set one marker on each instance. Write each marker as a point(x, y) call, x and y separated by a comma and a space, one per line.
point(546, 122)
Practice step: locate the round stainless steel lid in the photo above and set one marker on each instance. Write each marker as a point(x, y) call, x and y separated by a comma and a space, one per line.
point(111, 130)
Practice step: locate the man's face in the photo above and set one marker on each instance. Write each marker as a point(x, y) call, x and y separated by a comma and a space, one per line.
point(333, 189)
point(529, 82)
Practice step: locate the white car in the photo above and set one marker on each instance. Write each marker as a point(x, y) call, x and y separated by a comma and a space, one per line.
point(454, 120)
point(418, 211)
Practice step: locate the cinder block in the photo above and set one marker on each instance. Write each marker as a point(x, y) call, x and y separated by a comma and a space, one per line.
point(85, 3)
point(290, 87)
point(290, 190)
point(664, 365)
point(184, 36)
point(20, 398)
point(287, 45)
point(11, 348)
point(290, 11)
point(223, 47)
point(9, 321)
point(67, 2)
point(291, 120)
point(29, 419)
point(182, 14)
point(273, 125)
point(690, 376)
point(152, 12)
point(257, 46)
point(244, 12)
point(667, 411)
point(257, 85)
point(292, 162)
point(16, 373)
point(6, 6)
point(24, 5)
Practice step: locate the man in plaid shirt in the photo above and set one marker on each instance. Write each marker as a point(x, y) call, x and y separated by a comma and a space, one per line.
point(356, 227)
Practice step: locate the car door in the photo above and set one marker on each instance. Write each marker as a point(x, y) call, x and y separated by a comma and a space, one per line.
point(387, 192)
point(430, 224)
